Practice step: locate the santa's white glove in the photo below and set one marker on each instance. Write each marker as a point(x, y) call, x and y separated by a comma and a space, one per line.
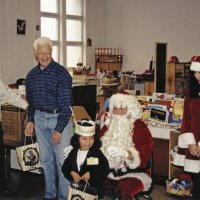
point(115, 151)
point(66, 151)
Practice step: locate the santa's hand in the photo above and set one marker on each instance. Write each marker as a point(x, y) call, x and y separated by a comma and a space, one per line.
point(115, 151)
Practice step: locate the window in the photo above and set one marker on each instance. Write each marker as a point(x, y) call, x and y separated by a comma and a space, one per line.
point(62, 22)
point(49, 27)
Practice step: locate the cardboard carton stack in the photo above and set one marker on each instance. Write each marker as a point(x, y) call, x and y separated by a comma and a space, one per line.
point(13, 122)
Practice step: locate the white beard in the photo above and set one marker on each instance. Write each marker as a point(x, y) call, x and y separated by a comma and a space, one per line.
point(119, 133)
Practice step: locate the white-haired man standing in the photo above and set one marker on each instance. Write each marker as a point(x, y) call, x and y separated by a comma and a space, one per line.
point(49, 94)
point(128, 146)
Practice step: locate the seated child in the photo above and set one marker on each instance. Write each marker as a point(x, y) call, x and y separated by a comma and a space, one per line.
point(86, 162)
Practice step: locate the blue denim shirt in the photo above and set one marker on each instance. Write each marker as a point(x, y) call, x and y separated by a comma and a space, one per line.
point(50, 88)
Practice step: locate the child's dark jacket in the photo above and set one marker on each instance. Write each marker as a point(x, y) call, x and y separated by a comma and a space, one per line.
point(98, 172)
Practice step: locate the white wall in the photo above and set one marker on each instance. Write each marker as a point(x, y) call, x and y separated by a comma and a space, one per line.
point(96, 20)
point(2, 37)
point(16, 52)
point(133, 25)
point(16, 56)
point(136, 25)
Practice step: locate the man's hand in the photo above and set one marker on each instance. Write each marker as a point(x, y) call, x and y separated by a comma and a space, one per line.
point(29, 130)
point(56, 137)
point(75, 177)
point(86, 177)
point(115, 151)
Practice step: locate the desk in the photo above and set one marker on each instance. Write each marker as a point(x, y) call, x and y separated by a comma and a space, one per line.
point(164, 140)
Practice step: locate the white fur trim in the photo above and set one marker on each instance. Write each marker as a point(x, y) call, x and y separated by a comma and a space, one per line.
point(144, 178)
point(179, 160)
point(195, 66)
point(185, 139)
point(133, 164)
point(189, 165)
point(192, 166)
point(107, 122)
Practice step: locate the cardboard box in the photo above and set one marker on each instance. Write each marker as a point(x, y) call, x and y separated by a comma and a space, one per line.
point(13, 122)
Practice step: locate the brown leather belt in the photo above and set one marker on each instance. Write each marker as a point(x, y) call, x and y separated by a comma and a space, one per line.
point(49, 111)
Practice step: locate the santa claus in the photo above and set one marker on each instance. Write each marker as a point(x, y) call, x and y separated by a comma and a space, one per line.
point(127, 144)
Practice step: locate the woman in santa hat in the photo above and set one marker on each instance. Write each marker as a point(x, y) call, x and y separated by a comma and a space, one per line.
point(127, 144)
point(188, 155)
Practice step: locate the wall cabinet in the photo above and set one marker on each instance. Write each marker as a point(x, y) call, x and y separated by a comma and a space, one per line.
point(108, 62)
point(177, 78)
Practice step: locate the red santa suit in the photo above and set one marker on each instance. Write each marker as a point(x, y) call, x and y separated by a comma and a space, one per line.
point(188, 155)
point(127, 133)
point(189, 134)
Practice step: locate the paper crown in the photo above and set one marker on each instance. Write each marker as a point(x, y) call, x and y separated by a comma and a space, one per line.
point(85, 127)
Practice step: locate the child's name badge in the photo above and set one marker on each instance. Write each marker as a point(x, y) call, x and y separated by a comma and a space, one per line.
point(92, 161)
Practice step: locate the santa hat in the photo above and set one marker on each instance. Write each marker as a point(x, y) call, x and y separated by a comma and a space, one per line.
point(195, 66)
point(124, 100)
point(85, 128)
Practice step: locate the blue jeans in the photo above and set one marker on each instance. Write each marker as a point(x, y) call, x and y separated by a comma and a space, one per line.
point(51, 155)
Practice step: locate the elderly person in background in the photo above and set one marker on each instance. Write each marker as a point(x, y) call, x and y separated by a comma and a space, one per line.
point(49, 93)
point(128, 145)
point(6, 95)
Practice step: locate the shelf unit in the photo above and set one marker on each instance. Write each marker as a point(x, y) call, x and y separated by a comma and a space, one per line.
point(177, 78)
point(108, 62)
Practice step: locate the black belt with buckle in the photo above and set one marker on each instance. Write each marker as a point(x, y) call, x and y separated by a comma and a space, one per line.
point(50, 111)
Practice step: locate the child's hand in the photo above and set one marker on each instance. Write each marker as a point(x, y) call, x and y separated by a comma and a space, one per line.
point(86, 177)
point(75, 177)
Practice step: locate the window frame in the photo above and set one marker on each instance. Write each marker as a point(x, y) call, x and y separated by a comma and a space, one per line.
point(62, 42)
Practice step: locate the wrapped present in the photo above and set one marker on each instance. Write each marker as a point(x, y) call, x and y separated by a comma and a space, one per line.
point(181, 186)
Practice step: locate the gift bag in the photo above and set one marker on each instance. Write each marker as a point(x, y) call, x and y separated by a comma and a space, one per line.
point(28, 156)
point(79, 191)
